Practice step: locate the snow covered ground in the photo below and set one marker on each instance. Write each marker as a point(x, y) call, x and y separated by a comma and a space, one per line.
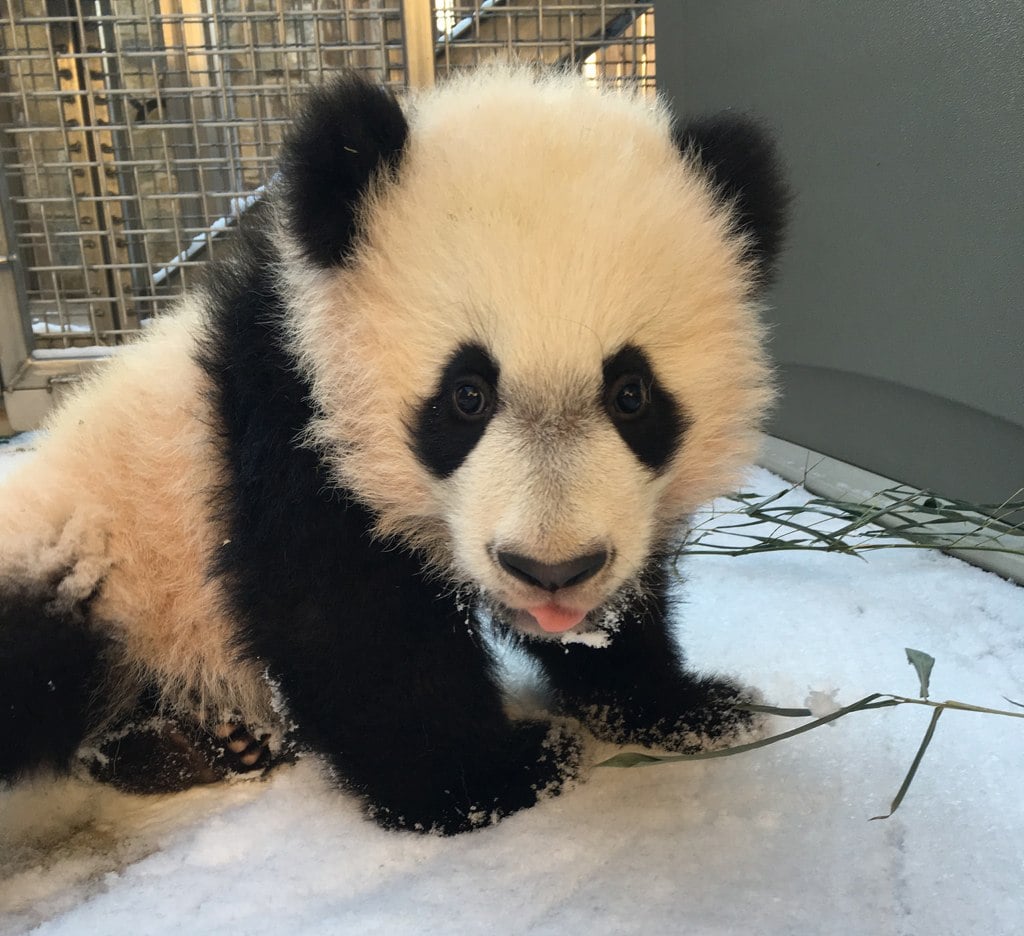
point(776, 841)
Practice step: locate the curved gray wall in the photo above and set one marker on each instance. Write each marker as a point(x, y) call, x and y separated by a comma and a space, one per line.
point(899, 314)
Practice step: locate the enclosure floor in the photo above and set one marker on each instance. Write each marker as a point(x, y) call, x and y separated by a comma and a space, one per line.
point(773, 842)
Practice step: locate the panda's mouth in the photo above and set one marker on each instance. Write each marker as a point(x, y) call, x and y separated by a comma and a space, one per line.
point(549, 623)
point(551, 599)
point(553, 618)
point(573, 615)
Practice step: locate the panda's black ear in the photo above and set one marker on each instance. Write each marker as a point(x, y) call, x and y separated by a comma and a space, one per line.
point(347, 132)
point(741, 161)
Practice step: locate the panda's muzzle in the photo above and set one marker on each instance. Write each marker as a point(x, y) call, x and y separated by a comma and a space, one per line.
point(552, 576)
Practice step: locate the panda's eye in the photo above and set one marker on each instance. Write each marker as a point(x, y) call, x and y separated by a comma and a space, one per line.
point(629, 396)
point(472, 397)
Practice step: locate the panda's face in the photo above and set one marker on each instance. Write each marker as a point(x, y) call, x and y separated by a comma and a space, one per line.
point(543, 354)
point(548, 466)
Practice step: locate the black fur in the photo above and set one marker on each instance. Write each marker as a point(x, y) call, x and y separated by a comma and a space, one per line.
point(381, 666)
point(382, 671)
point(151, 750)
point(442, 437)
point(741, 161)
point(52, 666)
point(348, 132)
point(655, 432)
point(637, 690)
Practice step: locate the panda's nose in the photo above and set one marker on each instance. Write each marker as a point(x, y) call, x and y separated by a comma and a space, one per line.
point(552, 576)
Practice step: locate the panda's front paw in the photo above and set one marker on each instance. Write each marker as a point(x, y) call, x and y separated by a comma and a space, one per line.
point(705, 715)
point(724, 720)
point(467, 793)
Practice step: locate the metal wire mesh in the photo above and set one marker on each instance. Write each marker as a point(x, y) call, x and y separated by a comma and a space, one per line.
point(133, 125)
point(134, 131)
point(611, 42)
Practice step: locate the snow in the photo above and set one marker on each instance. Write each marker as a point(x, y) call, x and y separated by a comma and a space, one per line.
point(775, 841)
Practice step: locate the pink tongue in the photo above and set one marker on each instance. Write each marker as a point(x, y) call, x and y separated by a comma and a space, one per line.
point(554, 619)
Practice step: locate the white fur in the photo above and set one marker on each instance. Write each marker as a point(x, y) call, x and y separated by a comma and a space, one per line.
point(119, 491)
point(552, 224)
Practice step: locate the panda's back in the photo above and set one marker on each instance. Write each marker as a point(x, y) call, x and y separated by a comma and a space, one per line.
point(135, 534)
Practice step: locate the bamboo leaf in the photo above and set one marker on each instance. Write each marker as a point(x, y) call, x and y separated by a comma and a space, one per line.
point(923, 663)
point(895, 518)
point(913, 767)
point(635, 759)
point(773, 710)
point(630, 759)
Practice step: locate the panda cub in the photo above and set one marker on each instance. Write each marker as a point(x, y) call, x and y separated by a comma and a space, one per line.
point(475, 357)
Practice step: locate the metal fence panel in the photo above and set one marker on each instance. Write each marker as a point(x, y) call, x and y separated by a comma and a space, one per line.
point(134, 132)
point(133, 125)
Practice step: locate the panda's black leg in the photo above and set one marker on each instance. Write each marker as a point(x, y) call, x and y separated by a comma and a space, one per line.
point(53, 669)
point(415, 724)
point(449, 783)
point(636, 690)
point(52, 665)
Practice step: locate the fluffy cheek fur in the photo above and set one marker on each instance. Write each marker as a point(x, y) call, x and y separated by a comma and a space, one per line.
point(552, 500)
point(366, 386)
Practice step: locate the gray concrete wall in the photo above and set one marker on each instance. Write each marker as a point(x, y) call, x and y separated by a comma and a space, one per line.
point(899, 315)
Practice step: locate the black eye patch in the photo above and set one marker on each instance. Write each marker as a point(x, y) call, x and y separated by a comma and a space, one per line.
point(646, 416)
point(451, 421)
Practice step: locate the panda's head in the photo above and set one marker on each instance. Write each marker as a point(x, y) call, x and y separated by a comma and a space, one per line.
point(527, 310)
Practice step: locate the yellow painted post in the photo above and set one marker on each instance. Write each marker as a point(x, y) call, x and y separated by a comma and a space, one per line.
point(418, 30)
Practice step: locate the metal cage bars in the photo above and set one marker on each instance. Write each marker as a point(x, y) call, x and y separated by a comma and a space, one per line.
point(135, 131)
